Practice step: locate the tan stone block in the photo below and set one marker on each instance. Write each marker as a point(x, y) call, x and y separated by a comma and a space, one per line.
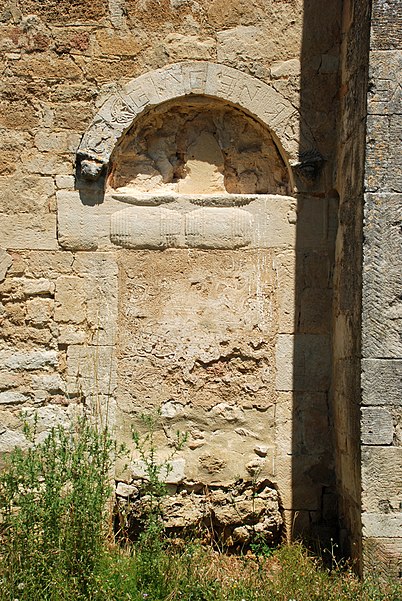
point(188, 47)
point(72, 334)
point(46, 163)
point(40, 311)
point(28, 360)
point(19, 114)
point(25, 193)
point(37, 287)
point(74, 116)
point(10, 439)
point(376, 426)
point(46, 66)
point(65, 182)
point(99, 272)
point(82, 227)
point(9, 380)
point(315, 311)
point(285, 268)
point(103, 71)
point(91, 370)
point(381, 478)
point(312, 222)
point(247, 43)
point(70, 299)
point(284, 69)
point(382, 381)
point(47, 264)
point(382, 555)
point(11, 397)
point(57, 142)
point(27, 231)
point(113, 43)
point(382, 525)
point(64, 12)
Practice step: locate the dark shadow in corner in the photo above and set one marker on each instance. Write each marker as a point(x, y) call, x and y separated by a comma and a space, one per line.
point(327, 350)
point(314, 514)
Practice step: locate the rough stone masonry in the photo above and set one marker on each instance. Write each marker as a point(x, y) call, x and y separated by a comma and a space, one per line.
point(181, 230)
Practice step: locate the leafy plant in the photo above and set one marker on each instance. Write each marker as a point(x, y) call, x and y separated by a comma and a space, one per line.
point(53, 512)
point(156, 471)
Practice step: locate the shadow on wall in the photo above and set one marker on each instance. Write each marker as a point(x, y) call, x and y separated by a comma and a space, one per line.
point(314, 501)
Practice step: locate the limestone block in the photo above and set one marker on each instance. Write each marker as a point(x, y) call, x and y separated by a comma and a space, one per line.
point(10, 439)
point(386, 17)
point(91, 370)
point(312, 222)
point(29, 360)
point(39, 311)
point(269, 221)
point(382, 307)
point(244, 42)
point(173, 473)
point(285, 268)
point(111, 42)
point(145, 227)
point(381, 479)
point(72, 334)
point(9, 380)
point(28, 231)
point(70, 299)
point(46, 163)
point(49, 417)
point(382, 555)
point(376, 426)
point(311, 424)
point(126, 490)
point(284, 69)
point(385, 73)
point(51, 383)
point(181, 47)
point(37, 287)
point(10, 397)
point(79, 226)
point(57, 142)
point(65, 182)
point(5, 264)
point(101, 291)
point(315, 310)
point(39, 65)
point(383, 169)
point(302, 362)
point(381, 381)
point(218, 228)
point(46, 264)
point(382, 525)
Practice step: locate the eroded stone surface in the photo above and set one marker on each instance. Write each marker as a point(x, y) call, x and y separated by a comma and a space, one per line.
point(198, 146)
point(235, 515)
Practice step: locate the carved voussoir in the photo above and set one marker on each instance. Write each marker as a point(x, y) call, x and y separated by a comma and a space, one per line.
point(177, 81)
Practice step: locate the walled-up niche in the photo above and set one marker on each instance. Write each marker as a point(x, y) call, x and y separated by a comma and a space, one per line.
point(198, 145)
point(184, 183)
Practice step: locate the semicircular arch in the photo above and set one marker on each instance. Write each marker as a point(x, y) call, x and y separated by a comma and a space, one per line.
point(178, 80)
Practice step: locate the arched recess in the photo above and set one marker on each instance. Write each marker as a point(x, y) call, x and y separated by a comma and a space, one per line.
point(179, 80)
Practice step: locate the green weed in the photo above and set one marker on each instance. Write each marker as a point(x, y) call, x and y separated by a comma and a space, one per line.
point(53, 513)
point(56, 545)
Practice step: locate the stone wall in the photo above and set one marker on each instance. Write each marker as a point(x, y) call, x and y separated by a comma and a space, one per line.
point(169, 192)
point(347, 277)
point(381, 420)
